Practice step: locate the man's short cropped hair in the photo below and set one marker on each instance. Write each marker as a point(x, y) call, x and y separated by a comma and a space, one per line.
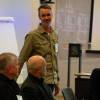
point(43, 6)
point(6, 59)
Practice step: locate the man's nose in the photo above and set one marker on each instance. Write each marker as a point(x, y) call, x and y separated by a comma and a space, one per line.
point(46, 17)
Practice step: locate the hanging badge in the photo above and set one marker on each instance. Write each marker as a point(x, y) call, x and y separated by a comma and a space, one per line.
point(19, 97)
point(56, 47)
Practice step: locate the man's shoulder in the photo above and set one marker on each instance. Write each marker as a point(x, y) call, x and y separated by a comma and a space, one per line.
point(96, 69)
point(28, 82)
point(2, 81)
point(35, 31)
point(96, 72)
point(28, 85)
point(31, 34)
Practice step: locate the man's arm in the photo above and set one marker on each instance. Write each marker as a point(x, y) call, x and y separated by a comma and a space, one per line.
point(26, 51)
point(57, 89)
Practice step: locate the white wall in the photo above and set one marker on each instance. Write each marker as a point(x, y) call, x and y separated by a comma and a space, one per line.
point(35, 19)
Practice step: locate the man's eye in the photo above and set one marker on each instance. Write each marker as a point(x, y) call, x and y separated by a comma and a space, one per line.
point(43, 15)
point(48, 14)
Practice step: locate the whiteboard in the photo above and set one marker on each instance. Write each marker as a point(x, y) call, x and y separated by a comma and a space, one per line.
point(8, 42)
point(95, 43)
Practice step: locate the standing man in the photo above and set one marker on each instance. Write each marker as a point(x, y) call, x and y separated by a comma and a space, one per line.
point(34, 88)
point(8, 70)
point(43, 41)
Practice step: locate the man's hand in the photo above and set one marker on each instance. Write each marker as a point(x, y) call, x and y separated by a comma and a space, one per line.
point(57, 89)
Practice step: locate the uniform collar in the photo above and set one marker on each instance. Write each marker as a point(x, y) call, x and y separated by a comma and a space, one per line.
point(42, 31)
point(33, 78)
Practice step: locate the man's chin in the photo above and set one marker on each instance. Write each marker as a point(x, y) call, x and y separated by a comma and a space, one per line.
point(47, 24)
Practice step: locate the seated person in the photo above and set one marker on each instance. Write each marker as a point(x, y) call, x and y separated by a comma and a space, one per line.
point(34, 87)
point(94, 90)
point(8, 70)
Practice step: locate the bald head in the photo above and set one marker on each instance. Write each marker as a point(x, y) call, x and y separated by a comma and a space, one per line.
point(36, 64)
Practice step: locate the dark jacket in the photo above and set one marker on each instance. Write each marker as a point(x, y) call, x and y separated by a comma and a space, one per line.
point(94, 90)
point(34, 88)
point(8, 88)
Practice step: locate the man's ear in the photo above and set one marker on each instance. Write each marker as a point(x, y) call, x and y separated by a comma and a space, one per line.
point(9, 69)
point(39, 69)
